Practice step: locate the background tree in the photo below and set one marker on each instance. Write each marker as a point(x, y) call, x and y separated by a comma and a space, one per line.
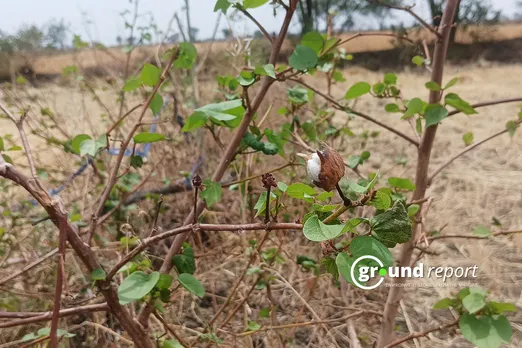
point(313, 15)
point(468, 12)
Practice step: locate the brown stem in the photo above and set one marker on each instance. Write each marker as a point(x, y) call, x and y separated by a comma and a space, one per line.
point(34, 317)
point(408, 9)
point(261, 28)
point(29, 266)
point(494, 234)
point(201, 227)
point(420, 334)
point(60, 278)
point(58, 215)
point(113, 177)
point(421, 180)
point(232, 147)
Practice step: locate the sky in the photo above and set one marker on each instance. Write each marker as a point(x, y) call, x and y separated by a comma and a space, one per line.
point(101, 20)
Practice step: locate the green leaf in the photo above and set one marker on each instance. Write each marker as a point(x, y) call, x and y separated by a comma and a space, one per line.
point(211, 337)
point(172, 343)
point(7, 158)
point(390, 79)
point(189, 282)
point(310, 130)
point(147, 137)
point(362, 189)
point(381, 201)
point(136, 286)
point(393, 226)
point(418, 60)
point(299, 190)
point(474, 302)
point(98, 274)
point(357, 90)
point(351, 224)
point(2, 148)
point(253, 326)
point(132, 85)
point(323, 196)
point(316, 231)
point(195, 121)
point(434, 114)
point(413, 210)
point(88, 147)
point(156, 104)
point(253, 3)
point(222, 5)
point(260, 206)
point(314, 40)
point(362, 246)
point(266, 70)
point(353, 161)
point(212, 193)
point(246, 78)
point(485, 332)
point(481, 231)
point(451, 83)
point(185, 263)
point(414, 106)
point(455, 101)
point(338, 76)
point(468, 138)
point(330, 267)
point(379, 88)
point(303, 58)
point(297, 95)
point(136, 161)
point(187, 55)
point(164, 281)
point(264, 312)
point(150, 75)
point(401, 183)
point(282, 186)
point(76, 142)
point(501, 307)
point(433, 86)
point(392, 107)
point(224, 111)
point(444, 303)
point(511, 127)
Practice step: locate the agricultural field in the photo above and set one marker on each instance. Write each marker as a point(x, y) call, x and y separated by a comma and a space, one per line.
point(257, 279)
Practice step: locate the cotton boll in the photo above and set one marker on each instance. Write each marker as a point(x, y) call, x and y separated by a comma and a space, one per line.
point(313, 166)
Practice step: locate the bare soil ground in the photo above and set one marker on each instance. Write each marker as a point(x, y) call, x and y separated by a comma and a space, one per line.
point(476, 187)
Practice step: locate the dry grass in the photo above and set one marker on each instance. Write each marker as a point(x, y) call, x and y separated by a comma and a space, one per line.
point(111, 60)
point(476, 187)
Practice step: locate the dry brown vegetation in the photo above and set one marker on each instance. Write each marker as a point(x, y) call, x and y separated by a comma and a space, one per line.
point(476, 187)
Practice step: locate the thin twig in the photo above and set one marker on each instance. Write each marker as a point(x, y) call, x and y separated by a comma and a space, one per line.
point(488, 103)
point(421, 334)
point(261, 28)
point(307, 323)
point(60, 279)
point(201, 227)
point(466, 150)
point(494, 234)
point(360, 114)
point(29, 266)
point(113, 177)
point(34, 317)
point(408, 9)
